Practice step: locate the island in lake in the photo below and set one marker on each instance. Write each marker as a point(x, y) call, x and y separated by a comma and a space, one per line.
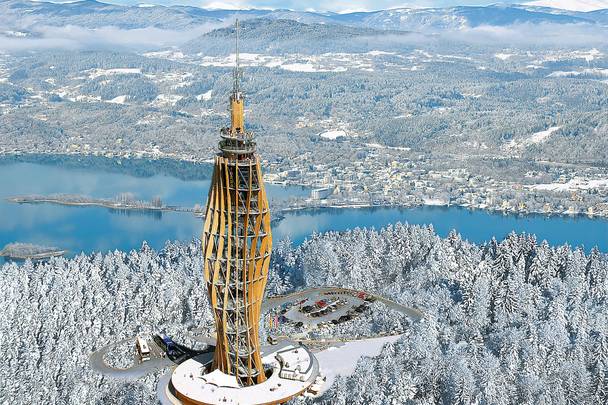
point(124, 201)
point(23, 251)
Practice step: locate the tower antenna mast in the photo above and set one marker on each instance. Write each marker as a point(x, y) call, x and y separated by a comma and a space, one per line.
point(237, 67)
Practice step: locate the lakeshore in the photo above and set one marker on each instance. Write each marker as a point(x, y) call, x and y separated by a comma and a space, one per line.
point(558, 199)
point(302, 205)
point(295, 216)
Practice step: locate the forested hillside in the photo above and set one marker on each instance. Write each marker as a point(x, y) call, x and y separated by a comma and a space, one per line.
point(512, 322)
point(499, 107)
point(509, 322)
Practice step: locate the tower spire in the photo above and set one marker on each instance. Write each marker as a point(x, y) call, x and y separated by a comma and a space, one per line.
point(237, 114)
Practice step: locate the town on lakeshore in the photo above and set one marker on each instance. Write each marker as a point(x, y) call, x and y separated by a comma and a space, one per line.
point(389, 177)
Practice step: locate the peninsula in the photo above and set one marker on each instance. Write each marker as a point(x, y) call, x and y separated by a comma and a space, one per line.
point(23, 251)
point(125, 201)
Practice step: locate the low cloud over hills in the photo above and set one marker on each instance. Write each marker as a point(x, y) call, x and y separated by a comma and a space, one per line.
point(27, 25)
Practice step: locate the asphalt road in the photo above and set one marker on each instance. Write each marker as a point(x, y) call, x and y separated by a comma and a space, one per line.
point(158, 359)
point(137, 370)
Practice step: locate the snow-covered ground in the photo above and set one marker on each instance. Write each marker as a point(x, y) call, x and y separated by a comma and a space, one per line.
point(503, 56)
point(165, 54)
point(174, 80)
point(343, 360)
point(309, 68)
point(83, 98)
point(325, 62)
point(535, 138)
point(542, 136)
point(150, 119)
point(333, 135)
point(328, 62)
point(94, 73)
point(118, 100)
point(573, 5)
point(584, 72)
point(205, 96)
point(557, 55)
point(166, 99)
point(378, 53)
point(378, 146)
point(574, 184)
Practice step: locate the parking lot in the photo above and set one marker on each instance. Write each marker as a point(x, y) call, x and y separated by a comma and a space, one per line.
point(290, 307)
point(316, 308)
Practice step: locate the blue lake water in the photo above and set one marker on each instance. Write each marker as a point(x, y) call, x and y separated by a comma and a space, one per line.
point(91, 229)
point(474, 225)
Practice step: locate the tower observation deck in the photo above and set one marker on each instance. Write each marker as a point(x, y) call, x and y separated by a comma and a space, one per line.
point(236, 243)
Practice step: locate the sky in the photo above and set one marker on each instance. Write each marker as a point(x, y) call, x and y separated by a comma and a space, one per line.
point(310, 5)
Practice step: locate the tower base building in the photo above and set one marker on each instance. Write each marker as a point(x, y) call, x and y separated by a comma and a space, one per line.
point(291, 370)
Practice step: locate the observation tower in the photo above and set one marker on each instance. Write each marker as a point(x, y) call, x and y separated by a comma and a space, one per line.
point(235, 368)
point(236, 245)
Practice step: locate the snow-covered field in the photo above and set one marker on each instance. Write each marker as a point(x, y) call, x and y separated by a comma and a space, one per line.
point(378, 146)
point(542, 136)
point(166, 99)
point(504, 56)
point(557, 55)
point(572, 185)
point(583, 72)
point(309, 68)
point(343, 360)
point(378, 60)
point(205, 96)
point(118, 100)
point(94, 73)
point(165, 54)
point(535, 138)
point(573, 5)
point(333, 135)
point(327, 62)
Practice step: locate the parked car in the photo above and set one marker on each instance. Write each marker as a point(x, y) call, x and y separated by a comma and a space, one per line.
point(167, 344)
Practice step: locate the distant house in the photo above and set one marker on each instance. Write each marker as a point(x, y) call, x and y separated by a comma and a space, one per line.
point(321, 193)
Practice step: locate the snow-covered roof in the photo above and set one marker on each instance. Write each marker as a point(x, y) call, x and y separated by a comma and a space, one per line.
point(295, 359)
point(217, 387)
point(220, 379)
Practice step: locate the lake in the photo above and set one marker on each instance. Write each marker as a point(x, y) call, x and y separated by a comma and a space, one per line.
point(90, 229)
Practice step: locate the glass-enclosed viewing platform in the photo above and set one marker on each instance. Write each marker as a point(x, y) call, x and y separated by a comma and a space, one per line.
point(237, 143)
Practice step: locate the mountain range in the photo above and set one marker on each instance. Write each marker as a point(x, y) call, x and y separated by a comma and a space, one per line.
point(573, 5)
point(23, 16)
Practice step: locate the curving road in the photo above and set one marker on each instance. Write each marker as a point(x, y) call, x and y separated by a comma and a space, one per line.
point(97, 362)
point(160, 361)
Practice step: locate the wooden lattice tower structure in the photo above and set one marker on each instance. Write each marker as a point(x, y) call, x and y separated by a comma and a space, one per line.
point(236, 245)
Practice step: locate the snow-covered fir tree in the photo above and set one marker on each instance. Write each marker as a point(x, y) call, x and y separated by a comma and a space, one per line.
point(509, 322)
